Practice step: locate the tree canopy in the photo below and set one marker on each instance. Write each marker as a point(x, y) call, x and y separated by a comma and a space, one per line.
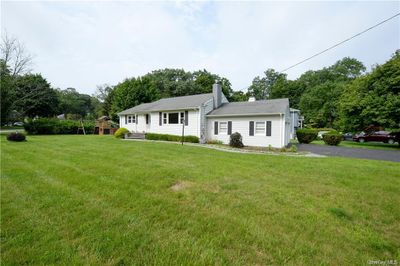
point(342, 96)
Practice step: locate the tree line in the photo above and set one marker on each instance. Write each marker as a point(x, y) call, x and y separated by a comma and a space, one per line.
point(343, 96)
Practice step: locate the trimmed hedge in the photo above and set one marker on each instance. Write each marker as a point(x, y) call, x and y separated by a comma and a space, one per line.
point(332, 138)
point(236, 140)
point(167, 137)
point(16, 136)
point(306, 135)
point(120, 133)
point(51, 126)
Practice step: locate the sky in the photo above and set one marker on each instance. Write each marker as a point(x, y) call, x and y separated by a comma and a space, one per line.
point(82, 44)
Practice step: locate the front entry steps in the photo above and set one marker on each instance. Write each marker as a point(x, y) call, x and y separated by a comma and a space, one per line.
point(135, 136)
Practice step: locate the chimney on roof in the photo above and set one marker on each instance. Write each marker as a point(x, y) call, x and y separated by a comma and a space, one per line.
point(252, 99)
point(217, 94)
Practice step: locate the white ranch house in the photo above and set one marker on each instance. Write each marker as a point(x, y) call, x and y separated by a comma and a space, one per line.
point(211, 117)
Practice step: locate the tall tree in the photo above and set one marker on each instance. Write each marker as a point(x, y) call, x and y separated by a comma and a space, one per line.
point(373, 98)
point(263, 88)
point(7, 88)
point(15, 56)
point(73, 102)
point(35, 97)
point(161, 84)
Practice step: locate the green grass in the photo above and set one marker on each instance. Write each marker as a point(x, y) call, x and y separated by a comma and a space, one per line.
point(97, 200)
point(366, 145)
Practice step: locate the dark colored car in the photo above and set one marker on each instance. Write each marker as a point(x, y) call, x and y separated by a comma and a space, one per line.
point(347, 136)
point(378, 136)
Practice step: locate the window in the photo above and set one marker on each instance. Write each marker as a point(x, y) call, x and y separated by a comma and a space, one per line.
point(134, 119)
point(260, 128)
point(182, 118)
point(223, 127)
point(147, 119)
point(173, 118)
point(164, 118)
point(129, 119)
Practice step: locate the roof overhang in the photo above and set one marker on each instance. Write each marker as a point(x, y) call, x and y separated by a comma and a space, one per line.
point(241, 115)
point(159, 110)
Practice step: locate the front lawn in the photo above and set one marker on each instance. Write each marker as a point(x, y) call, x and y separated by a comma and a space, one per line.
point(99, 200)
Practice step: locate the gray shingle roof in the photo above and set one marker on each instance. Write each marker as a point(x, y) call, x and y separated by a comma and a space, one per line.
point(166, 104)
point(276, 106)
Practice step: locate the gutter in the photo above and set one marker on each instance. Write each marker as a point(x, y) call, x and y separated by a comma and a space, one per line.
point(249, 114)
point(166, 110)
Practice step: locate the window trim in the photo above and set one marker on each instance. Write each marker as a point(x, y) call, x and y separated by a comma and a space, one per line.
point(221, 130)
point(165, 118)
point(264, 128)
point(181, 115)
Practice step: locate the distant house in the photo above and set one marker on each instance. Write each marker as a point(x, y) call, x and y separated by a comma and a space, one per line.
point(211, 117)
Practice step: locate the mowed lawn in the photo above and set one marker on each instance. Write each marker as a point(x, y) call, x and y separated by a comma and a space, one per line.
point(98, 200)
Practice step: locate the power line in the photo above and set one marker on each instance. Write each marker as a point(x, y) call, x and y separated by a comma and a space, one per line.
point(348, 39)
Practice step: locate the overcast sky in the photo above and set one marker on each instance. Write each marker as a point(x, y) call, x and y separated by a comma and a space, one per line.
point(86, 43)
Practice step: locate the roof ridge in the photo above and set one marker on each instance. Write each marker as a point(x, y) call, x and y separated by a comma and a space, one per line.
point(185, 96)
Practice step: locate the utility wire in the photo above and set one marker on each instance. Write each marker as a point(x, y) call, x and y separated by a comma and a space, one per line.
point(348, 39)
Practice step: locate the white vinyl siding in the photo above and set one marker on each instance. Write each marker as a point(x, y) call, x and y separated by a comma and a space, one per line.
point(241, 125)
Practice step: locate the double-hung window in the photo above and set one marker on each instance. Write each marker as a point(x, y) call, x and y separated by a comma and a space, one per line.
point(260, 128)
point(129, 119)
point(134, 119)
point(223, 127)
point(173, 118)
point(164, 118)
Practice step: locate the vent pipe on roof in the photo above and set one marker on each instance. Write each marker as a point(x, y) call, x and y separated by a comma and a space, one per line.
point(252, 99)
point(217, 94)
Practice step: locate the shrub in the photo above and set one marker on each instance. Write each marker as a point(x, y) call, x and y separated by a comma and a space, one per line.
point(49, 126)
point(191, 139)
point(306, 135)
point(120, 133)
point(16, 136)
point(167, 137)
point(236, 140)
point(332, 138)
point(293, 148)
point(214, 141)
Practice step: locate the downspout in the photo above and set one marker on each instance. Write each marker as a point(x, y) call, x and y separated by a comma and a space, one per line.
point(283, 130)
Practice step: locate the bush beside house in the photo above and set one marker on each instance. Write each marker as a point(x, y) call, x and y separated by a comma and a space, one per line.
point(306, 135)
point(167, 137)
point(120, 133)
point(236, 140)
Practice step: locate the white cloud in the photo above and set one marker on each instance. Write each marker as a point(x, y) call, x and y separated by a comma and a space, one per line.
point(82, 44)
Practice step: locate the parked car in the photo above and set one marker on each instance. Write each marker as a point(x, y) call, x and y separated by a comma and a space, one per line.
point(320, 133)
point(378, 136)
point(18, 124)
point(348, 136)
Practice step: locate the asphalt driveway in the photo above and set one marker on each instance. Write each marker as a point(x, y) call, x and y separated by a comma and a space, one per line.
point(373, 154)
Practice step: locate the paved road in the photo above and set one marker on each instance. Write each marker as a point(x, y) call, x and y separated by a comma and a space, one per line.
point(363, 153)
